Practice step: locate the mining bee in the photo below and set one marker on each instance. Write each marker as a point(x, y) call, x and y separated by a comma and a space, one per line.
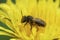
point(56, 39)
point(29, 19)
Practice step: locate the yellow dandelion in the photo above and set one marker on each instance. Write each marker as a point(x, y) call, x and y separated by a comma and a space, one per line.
point(47, 10)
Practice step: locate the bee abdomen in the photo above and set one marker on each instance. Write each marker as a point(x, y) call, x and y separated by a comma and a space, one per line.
point(40, 22)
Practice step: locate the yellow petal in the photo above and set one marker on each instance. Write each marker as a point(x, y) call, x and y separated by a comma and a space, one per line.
point(4, 33)
point(8, 31)
point(12, 39)
point(12, 14)
point(15, 39)
point(8, 24)
point(34, 31)
point(26, 5)
point(3, 17)
point(3, 14)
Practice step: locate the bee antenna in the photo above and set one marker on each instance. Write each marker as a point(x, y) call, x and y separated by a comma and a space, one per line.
point(21, 13)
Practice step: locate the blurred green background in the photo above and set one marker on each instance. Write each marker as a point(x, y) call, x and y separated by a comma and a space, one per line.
point(4, 1)
point(3, 37)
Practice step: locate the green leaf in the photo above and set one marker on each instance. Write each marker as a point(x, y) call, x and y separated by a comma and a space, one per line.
point(14, 1)
point(4, 25)
point(3, 37)
point(3, 1)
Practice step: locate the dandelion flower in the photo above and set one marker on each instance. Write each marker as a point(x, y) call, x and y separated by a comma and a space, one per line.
point(10, 17)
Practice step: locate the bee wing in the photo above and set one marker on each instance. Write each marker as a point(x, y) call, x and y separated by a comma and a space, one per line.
point(39, 22)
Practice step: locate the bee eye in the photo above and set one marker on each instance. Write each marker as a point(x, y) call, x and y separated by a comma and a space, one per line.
point(24, 18)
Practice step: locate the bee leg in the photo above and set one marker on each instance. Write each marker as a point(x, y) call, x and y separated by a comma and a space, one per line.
point(31, 26)
point(31, 23)
point(37, 28)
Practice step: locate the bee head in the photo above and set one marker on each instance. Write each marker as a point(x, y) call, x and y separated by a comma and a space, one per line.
point(24, 19)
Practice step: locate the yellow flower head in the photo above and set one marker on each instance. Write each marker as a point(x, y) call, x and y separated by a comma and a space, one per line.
point(47, 10)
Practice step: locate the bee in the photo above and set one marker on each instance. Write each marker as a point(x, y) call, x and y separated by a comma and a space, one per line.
point(56, 39)
point(29, 19)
